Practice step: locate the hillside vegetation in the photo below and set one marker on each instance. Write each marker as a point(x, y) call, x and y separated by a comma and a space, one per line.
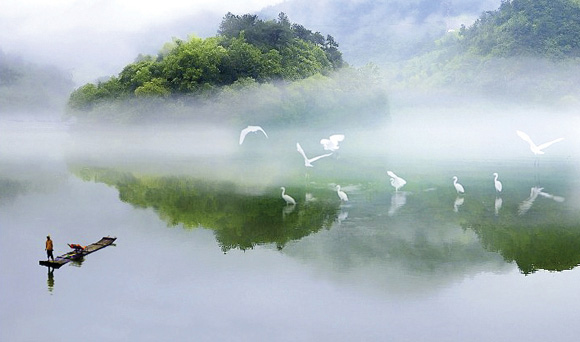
point(246, 48)
point(540, 28)
point(523, 51)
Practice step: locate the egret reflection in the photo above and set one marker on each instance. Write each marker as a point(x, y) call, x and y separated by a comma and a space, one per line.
point(343, 215)
point(308, 197)
point(528, 202)
point(458, 203)
point(287, 210)
point(398, 200)
point(497, 205)
point(558, 199)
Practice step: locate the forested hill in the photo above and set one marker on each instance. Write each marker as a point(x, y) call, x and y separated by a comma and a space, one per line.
point(544, 28)
point(245, 48)
point(526, 51)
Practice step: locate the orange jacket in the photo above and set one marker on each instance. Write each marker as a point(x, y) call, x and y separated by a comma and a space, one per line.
point(49, 245)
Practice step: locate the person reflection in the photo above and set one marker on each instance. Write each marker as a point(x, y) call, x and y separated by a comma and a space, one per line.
point(398, 199)
point(50, 280)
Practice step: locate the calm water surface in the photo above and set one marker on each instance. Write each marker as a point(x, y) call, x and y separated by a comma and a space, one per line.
point(208, 251)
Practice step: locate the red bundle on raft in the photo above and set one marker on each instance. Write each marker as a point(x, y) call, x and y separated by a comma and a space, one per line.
point(76, 247)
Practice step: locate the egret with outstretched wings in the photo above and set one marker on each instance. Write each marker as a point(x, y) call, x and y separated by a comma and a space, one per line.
point(308, 161)
point(250, 129)
point(331, 144)
point(536, 149)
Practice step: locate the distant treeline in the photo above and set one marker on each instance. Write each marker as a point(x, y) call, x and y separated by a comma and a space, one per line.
point(26, 87)
point(245, 48)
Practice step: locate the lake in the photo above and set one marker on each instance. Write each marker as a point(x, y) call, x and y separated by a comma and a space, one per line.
point(207, 250)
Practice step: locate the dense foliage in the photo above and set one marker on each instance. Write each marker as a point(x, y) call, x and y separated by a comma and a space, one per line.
point(245, 48)
point(547, 28)
point(239, 221)
point(525, 51)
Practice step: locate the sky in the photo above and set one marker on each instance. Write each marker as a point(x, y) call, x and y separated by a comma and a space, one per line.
point(96, 38)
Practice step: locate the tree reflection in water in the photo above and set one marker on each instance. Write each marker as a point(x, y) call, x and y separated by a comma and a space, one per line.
point(544, 236)
point(239, 220)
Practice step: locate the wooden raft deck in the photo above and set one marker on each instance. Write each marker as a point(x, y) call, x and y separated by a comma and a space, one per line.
point(73, 255)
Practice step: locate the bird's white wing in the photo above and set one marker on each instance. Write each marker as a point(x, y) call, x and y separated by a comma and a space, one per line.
point(525, 137)
point(243, 133)
point(544, 145)
point(258, 128)
point(321, 156)
point(299, 149)
point(336, 138)
point(392, 174)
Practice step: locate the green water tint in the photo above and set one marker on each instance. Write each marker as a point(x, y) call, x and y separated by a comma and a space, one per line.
point(539, 234)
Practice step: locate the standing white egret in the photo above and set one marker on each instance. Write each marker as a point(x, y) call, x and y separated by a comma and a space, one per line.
point(536, 149)
point(396, 181)
point(341, 194)
point(287, 198)
point(498, 185)
point(250, 129)
point(331, 144)
point(458, 187)
point(308, 162)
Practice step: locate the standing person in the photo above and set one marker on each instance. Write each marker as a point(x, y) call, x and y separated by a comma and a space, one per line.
point(49, 248)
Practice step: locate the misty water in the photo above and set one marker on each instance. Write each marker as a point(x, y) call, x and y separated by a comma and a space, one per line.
point(207, 249)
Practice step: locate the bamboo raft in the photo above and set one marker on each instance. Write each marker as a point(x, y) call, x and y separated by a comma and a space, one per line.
point(78, 253)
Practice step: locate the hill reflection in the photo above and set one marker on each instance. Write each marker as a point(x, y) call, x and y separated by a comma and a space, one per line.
point(422, 230)
point(239, 219)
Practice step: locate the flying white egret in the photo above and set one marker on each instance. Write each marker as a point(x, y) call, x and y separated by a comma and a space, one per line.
point(458, 187)
point(250, 129)
point(396, 181)
point(287, 198)
point(308, 162)
point(536, 149)
point(331, 144)
point(341, 194)
point(498, 185)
